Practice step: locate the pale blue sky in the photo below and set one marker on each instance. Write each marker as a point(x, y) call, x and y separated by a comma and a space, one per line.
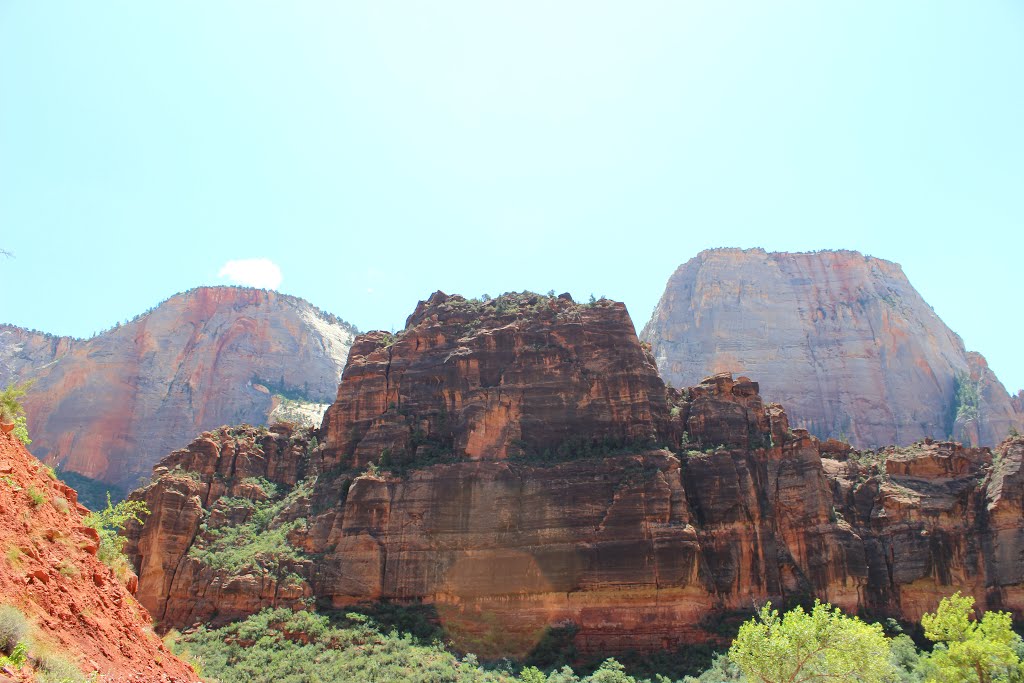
point(379, 151)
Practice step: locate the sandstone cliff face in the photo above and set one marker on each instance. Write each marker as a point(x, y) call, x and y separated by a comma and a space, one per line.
point(50, 572)
point(111, 406)
point(844, 341)
point(638, 549)
point(521, 373)
point(640, 546)
point(679, 507)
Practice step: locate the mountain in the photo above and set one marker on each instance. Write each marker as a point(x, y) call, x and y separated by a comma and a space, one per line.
point(77, 611)
point(518, 466)
point(109, 407)
point(843, 340)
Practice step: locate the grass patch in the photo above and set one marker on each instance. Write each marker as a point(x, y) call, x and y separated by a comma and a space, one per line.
point(36, 496)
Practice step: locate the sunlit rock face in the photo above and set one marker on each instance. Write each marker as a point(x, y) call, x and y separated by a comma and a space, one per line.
point(643, 515)
point(109, 407)
point(843, 340)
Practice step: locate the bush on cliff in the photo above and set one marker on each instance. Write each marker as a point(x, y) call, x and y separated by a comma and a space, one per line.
point(11, 409)
point(108, 522)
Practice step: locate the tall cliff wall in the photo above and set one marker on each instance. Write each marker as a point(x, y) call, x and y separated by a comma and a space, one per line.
point(843, 340)
point(109, 407)
point(641, 514)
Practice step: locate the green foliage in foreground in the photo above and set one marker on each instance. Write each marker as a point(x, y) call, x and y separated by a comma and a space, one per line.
point(108, 522)
point(799, 646)
point(985, 650)
point(11, 409)
point(281, 646)
point(822, 645)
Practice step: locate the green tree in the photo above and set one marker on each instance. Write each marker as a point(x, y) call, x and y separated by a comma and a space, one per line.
point(107, 523)
point(11, 409)
point(799, 647)
point(970, 650)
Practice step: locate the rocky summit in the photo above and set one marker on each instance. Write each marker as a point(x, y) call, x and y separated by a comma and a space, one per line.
point(109, 407)
point(843, 340)
point(517, 465)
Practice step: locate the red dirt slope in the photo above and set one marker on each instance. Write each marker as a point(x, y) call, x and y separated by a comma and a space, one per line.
point(48, 570)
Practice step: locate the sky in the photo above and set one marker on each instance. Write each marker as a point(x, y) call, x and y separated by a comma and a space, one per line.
point(364, 155)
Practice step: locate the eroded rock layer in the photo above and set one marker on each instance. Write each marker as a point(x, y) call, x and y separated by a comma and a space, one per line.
point(843, 340)
point(109, 407)
point(677, 509)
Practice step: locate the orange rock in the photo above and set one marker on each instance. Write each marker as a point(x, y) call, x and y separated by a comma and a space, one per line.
point(115, 638)
point(112, 405)
point(843, 340)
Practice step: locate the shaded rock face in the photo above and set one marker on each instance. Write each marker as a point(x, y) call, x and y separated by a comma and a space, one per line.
point(50, 572)
point(843, 340)
point(641, 547)
point(521, 373)
point(936, 517)
point(111, 406)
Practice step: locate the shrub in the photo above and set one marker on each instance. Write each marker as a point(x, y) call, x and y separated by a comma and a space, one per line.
point(17, 658)
point(260, 542)
point(13, 556)
point(13, 628)
point(11, 409)
point(55, 668)
point(36, 496)
point(60, 504)
point(108, 522)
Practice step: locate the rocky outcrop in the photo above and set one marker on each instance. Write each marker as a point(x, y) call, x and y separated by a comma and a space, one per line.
point(675, 509)
point(109, 407)
point(75, 603)
point(843, 340)
point(518, 374)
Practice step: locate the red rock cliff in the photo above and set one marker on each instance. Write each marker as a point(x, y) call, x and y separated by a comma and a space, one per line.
point(521, 373)
point(843, 340)
point(111, 406)
point(640, 546)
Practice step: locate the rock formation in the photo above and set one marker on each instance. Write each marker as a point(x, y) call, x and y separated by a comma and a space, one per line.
point(109, 407)
point(518, 465)
point(50, 572)
point(843, 340)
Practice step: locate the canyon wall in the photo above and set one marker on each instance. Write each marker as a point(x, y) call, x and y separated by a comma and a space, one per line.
point(109, 407)
point(843, 340)
point(517, 465)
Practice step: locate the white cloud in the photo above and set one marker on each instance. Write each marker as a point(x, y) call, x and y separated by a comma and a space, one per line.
point(252, 272)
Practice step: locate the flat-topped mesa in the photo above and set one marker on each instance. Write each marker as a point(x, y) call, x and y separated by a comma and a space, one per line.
point(484, 380)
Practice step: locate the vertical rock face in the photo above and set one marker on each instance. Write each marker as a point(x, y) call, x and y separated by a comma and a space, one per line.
point(843, 340)
point(50, 572)
point(521, 373)
point(109, 407)
point(641, 514)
